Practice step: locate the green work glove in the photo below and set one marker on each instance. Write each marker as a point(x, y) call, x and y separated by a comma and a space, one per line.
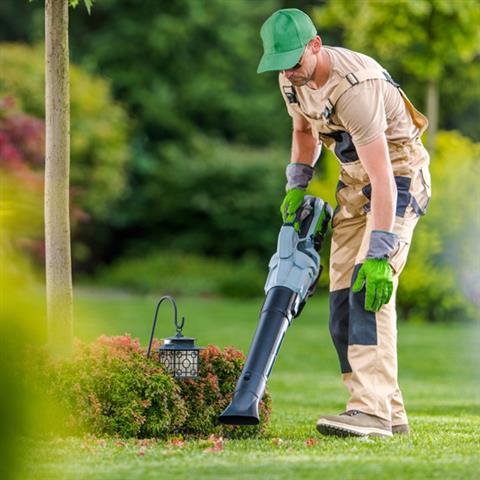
point(291, 203)
point(377, 274)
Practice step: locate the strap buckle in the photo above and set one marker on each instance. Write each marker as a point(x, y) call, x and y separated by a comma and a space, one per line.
point(352, 79)
point(328, 112)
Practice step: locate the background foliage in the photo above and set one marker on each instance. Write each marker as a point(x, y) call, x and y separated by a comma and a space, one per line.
point(442, 278)
point(421, 38)
point(179, 147)
point(432, 42)
point(99, 141)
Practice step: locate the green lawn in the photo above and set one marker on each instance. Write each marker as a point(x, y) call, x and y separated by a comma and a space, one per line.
point(437, 375)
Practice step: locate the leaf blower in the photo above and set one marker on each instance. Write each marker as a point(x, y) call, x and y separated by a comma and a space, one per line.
point(294, 271)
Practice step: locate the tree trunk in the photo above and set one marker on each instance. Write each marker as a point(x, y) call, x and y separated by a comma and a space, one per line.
point(57, 170)
point(432, 113)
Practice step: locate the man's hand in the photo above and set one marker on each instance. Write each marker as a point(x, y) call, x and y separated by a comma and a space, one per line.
point(291, 203)
point(376, 273)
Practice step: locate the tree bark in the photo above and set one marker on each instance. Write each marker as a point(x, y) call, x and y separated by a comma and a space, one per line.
point(432, 113)
point(57, 171)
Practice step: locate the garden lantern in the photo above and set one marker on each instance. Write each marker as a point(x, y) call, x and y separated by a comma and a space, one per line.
point(178, 355)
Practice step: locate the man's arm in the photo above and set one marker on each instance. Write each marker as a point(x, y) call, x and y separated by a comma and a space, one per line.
point(305, 152)
point(376, 161)
point(305, 148)
point(375, 271)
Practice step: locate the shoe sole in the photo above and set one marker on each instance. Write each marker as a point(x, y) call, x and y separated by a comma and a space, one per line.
point(328, 427)
point(401, 431)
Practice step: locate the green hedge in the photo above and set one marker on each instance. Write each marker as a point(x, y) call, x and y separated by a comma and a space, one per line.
point(180, 273)
point(217, 199)
point(441, 281)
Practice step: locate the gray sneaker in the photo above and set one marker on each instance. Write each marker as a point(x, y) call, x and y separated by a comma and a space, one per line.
point(403, 429)
point(354, 423)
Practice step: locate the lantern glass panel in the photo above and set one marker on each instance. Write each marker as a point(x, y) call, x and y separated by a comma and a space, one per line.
point(194, 355)
point(186, 363)
point(167, 359)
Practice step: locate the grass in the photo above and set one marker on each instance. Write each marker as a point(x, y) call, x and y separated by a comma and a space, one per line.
point(438, 376)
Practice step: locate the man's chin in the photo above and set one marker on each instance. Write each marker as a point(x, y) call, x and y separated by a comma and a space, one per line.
point(298, 82)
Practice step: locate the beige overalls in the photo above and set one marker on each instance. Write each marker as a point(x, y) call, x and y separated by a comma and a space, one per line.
point(366, 341)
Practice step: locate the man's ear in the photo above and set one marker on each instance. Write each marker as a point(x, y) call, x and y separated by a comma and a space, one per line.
point(316, 44)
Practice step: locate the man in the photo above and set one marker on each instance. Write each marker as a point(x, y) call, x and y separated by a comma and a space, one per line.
point(348, 102)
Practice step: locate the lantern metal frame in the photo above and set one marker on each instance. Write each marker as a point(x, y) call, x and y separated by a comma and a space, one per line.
point(178, 355)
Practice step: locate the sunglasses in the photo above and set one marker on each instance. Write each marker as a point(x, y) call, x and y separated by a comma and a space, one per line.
point(299, 63)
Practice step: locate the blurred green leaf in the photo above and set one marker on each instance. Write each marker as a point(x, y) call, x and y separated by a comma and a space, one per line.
point(88, 4)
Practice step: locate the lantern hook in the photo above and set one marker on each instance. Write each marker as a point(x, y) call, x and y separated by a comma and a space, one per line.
point(175, 315)
point(180, 326)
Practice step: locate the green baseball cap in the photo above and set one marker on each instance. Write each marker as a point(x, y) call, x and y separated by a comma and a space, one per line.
point(284, 35)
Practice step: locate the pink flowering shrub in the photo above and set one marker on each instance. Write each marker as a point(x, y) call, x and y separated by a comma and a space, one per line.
point(22, 165)
point(208, 396)
point(22, 141)
point(109, 387)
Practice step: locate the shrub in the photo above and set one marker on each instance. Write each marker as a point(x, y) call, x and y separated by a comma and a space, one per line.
point(441, 279)
point(216, 199)
point(186, 274)
point(100, 129)
point(109, 387)
point(245, 279)
point(22, 160)
point(207, 397)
